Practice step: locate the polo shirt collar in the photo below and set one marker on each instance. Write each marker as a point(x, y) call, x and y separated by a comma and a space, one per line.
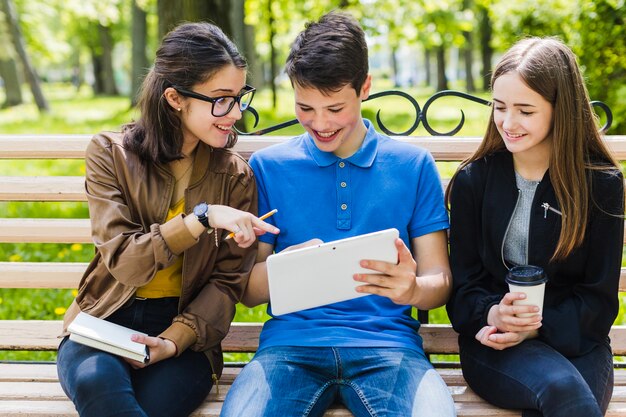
point(363, 158)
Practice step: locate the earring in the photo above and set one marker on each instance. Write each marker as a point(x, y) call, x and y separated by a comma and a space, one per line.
point(178, 109)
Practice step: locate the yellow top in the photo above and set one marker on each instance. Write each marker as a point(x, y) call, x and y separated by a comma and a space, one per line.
point(166, 282)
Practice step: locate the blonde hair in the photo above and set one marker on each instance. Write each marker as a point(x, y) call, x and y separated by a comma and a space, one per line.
point(549, 68)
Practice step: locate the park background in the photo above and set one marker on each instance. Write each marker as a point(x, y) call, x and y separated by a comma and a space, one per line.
point(74, 66)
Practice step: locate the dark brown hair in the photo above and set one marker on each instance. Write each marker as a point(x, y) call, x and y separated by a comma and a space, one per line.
point(329, 54)
point(190, 54)
point(549, 67)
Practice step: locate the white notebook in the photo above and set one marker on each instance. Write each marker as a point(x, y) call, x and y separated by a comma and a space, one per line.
point(109, 337)
point(318, 275)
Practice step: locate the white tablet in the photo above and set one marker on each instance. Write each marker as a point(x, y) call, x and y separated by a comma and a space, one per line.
point(323, 274)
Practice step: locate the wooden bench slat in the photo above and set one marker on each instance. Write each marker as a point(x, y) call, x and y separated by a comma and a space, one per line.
point(68, 274)
point(43, 335)
point(242, 337)
point(45, 230)
point(50, 188)
point(73, 146)
point(52, 230)
point(66, 409)
point(14, 230)
point(32, 388)
point(41, 274)
point(46, 372)
point(43, 146)
point(55, 188)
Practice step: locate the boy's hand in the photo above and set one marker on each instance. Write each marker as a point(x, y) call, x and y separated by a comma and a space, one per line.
point(396, 281)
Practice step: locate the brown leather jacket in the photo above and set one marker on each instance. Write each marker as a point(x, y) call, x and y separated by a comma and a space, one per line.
point(128, 204)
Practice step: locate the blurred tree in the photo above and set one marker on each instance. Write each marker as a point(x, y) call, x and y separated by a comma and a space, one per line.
point(102, 55)
point(440, 25)
point(468, 51)
point(485, 32)
point(522, 18)
point(139, 34)
point(601, 47)
point(97, 27)
point(13, 25)
point(172, 12)
point(8, 68)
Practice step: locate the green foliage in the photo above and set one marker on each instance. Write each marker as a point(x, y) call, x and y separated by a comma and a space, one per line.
point(602, 51)
point(531, 18)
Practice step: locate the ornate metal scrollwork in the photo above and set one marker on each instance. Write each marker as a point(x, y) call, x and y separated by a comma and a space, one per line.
point(420, 115)
point(607, 112)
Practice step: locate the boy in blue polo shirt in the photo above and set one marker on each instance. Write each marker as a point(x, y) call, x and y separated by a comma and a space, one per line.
point(340, 179)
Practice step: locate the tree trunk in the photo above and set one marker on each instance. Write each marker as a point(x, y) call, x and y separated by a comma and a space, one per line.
point(394, 66)
point(427, 67)
point(12, 84)
point(169, 13)
point(20, 47)
point(272, 79)
point(485, 29)
point(172, 12)
point(255, 66)
point(108, 77)
point(96, 63)
point(220, 12)
point(238, 35)
point(139, 60)
point(8, 69)
point(442, 80)
point(468, 55)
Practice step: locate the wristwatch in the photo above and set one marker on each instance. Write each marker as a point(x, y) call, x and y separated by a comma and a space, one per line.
point(202, 214)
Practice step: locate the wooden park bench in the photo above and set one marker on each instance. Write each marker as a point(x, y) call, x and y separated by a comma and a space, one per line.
point(32, 389)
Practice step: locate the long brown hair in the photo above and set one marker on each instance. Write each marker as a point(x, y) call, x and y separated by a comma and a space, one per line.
point(549, 67)
point(190, 54)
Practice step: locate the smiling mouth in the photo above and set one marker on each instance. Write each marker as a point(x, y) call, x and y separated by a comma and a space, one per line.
point(514, 135)
point(326, 136)
point(223, 128)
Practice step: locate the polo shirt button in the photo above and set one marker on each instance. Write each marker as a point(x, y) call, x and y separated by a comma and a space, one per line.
point(342, 164)
point(343, 184)
point(344, 206)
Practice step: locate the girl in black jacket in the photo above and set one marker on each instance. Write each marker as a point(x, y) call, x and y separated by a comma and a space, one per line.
point(542, 189)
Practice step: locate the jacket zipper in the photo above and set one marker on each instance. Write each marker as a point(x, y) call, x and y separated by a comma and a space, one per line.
point(508, 226)
point(546, 207)
point(216, 381)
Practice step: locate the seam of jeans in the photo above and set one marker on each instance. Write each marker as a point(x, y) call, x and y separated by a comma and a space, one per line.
point(338, 364)
point(358, 391)
point(316, 397)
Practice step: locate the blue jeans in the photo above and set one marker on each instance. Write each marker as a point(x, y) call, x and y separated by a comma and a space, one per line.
point(534, 377)
point(102, 384)
point(305, 381)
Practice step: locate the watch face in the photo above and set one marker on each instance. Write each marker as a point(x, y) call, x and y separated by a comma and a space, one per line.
point(200, 209)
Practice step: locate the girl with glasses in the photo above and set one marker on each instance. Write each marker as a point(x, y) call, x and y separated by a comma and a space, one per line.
point(163, 194)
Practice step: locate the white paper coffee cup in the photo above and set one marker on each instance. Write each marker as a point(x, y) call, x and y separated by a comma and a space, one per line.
point(530, 280)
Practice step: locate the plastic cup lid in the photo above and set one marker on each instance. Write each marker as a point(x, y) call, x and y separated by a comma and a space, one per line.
point(526, 275)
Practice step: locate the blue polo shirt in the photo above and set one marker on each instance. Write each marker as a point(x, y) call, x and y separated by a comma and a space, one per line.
point(385, 184)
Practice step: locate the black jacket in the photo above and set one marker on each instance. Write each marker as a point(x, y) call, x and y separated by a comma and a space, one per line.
point(581, 300)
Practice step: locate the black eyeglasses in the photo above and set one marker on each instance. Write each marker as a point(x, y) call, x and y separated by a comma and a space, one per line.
point(224, 104)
